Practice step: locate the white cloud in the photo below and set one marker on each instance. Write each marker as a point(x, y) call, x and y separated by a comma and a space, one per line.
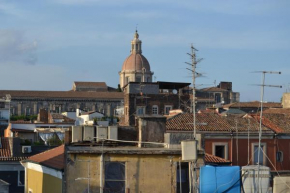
point(14, 47)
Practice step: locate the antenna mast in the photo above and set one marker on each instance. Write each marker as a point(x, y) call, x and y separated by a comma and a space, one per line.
point(261, 114)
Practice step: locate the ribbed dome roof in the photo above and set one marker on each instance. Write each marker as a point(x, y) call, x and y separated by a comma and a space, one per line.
point(136, 62)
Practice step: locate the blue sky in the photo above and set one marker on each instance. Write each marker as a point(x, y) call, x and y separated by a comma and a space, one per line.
point(48, 44)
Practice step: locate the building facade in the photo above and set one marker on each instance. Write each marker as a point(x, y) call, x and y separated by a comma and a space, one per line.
point(90, 98)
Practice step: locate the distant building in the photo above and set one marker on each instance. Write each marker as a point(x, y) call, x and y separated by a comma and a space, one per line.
point(4, 113)
point(153, 98)
point(90, 96)
point(217, 96)
point(136, 67)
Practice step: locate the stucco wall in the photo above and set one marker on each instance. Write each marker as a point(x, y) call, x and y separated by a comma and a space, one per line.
point(39, 182)
point(286, 100)
point(144, 173)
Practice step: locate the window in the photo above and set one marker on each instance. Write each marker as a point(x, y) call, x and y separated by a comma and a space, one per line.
point(182, 179)
point(255, 153)
point(140, 111)
point(114, 177)
point(155, 110)
point(279, 156)
point(220, 150)
point(27, 111)
point(167, 108)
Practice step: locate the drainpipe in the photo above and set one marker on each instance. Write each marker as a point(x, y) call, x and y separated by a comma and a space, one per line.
point(101, 173)
point(275, 149)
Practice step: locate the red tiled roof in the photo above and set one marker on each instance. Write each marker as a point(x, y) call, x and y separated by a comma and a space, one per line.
point(279, 123)
point(5, 149)
point(5, 152)
point(91, 84)
point(208, 158)
point(214, 123)
point(253, 104)
point(210, 122)
point(53, 158)
point(62, 94)
point(277, 111)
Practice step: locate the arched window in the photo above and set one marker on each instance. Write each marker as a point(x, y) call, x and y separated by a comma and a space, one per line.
point(154, 110)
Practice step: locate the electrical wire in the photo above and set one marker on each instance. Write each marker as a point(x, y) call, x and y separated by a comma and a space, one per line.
point(275, 169)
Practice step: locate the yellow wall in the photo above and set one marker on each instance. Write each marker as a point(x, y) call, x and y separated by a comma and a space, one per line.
point(144, 173)
point(43, 183)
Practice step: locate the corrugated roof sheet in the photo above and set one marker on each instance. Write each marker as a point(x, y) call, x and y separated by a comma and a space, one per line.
point(53, 158)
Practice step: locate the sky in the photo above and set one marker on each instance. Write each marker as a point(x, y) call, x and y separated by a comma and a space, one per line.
point(48, 44)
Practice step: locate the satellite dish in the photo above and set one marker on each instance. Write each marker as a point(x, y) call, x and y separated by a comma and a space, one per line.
point(174, 91)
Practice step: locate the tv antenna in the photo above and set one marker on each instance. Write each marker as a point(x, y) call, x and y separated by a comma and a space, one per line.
point(195, 74)
point(263, 85)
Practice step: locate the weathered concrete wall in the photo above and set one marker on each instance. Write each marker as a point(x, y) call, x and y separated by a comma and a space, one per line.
point(286, 100)
point(144, 173)
point(152, 129)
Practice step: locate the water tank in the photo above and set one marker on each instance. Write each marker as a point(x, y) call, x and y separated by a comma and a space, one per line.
point(189, 150)
point(102, 133)
point(279, 185)
point(250, 179)
point(220, 179)
point(76, 134)
point(88, 133)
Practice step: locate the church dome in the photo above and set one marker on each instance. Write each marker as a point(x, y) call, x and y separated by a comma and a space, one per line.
point(136, 62)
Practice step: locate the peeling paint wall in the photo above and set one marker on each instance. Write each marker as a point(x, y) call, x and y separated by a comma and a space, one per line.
point(143, 173)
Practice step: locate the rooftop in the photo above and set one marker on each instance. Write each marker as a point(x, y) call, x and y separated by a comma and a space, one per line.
point(53, 158)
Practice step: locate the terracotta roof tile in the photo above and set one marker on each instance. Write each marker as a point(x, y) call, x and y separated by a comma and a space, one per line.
point(253, 104)
point(208, 158)
point(214, 123)
point(277, 111)
point(19, 94)
point(53, 158)
point(5, 148)
point(279, 123)
point(90, 84)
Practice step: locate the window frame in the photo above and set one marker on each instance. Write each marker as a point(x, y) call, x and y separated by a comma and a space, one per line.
point(225, 144)
point(155, 108)
point(264, 146)
point(165, 106)
point(140, 107)
point(116, 180)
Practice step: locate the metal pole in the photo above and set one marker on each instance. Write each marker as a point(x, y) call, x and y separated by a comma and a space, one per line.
point(180, 186)
point(260, 130)
point(248, 140)
point(89, 176)
point(237, 141)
